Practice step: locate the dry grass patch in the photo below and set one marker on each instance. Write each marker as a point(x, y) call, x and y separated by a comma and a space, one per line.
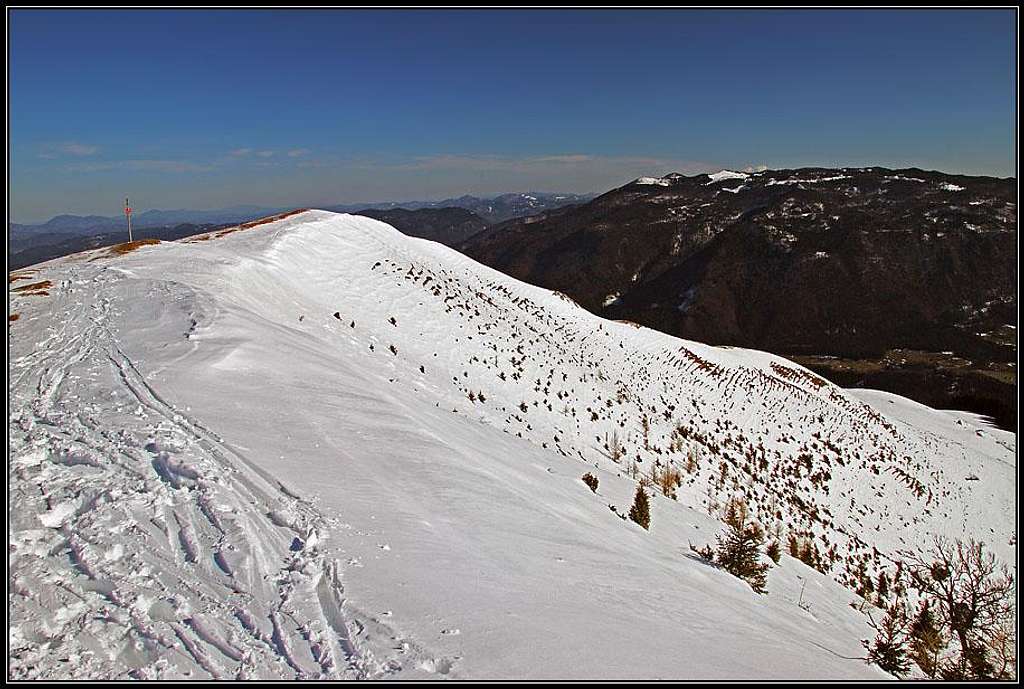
point(125, 248)
point(33, 289)
point(21, 275)
point(217, 234)
point(199, 238)
point(128, 247)
point(797, 376)
point(262, 221)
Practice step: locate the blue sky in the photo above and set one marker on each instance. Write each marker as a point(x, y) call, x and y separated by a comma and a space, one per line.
point(203, 109)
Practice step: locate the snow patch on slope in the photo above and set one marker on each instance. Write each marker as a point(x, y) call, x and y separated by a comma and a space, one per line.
point(726, 174)
point(657, 181)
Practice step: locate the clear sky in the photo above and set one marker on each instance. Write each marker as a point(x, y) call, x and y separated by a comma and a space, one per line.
point(203, 109)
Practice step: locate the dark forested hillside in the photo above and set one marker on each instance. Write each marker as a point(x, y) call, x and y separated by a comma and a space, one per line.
point(857, 264)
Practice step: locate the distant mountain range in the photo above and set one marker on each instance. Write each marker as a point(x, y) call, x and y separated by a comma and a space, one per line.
point(491, 209)
point(849, 263)
point(49, 246)
point(450, 222)
point(449, 226)
point(83, 224)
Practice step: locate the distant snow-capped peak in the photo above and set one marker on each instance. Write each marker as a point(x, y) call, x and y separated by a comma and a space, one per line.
point(659, 181)
point(726, 174)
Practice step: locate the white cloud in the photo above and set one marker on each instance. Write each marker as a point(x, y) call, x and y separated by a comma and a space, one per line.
point(68, 148)
point(139, 165)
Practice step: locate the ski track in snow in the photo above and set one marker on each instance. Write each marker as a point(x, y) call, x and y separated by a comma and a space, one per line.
point(213, 558)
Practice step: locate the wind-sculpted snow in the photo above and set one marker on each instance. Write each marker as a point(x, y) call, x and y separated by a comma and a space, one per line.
point(145, 546)
point(319, 448)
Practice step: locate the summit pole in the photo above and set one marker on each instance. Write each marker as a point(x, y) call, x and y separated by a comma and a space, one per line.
point(128, 214)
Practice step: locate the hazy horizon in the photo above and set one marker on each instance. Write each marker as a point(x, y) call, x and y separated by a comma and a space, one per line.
point(139, 208)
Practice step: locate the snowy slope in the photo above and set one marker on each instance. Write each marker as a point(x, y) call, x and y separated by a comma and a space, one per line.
point(254, 453)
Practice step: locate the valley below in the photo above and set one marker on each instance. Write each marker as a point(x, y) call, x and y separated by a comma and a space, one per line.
point(937, 379)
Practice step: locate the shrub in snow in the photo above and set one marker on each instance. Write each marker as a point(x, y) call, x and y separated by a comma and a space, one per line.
point(804, 549)
point(612, 445)
point(739, 551)
point(889, 649)
point(591, 481)
point(668, 479)
point(973, 601)
point(882, 587)
point(707, 552)
point(691, 461)
point(640, 512)
point(926, 641)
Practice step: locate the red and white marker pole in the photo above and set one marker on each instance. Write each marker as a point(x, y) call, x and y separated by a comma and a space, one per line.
point(128, 214)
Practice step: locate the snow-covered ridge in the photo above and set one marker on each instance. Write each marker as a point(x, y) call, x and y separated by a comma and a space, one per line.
point(657, 181)
point(316, 447)
point(807, 180)
point(902, 178)
point(726, 174)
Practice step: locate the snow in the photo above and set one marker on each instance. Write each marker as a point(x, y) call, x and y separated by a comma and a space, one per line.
point(948, 186)
point(726, 174)
point(936, 423)
point(807, 180)
point(657, 181)
point(212, 475)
